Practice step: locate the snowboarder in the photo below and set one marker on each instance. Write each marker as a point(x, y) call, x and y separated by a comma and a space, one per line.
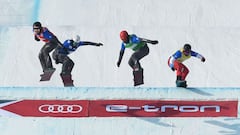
point(140, 48)
point(51, 42)
point(60, 55)
point(175, 63)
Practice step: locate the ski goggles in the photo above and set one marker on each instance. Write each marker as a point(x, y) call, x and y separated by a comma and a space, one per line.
point(36, 28)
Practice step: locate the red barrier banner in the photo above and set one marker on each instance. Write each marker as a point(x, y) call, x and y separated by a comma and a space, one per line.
point(118, 108)
point(46, 108)
point(162, 108)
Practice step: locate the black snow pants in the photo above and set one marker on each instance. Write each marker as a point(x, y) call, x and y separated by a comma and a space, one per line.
point(44, 56)
point(137, 56)
point(67, 63)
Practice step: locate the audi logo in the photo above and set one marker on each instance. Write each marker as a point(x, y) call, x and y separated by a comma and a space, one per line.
point(60, 108)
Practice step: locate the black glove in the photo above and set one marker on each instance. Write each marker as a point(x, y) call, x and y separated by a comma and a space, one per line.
point(118, 63)
point(36, 38)
point(203, 59)
point(154, 42)
point(99, 44)
point(172, 68)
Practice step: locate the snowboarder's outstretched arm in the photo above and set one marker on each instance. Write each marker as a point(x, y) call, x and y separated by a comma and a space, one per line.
point(121, 55)
point(70, 46)
point(149, 41)
point(198, 55)
point(82, 43)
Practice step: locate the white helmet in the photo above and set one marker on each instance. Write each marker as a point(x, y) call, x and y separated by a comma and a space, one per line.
point(76, 38)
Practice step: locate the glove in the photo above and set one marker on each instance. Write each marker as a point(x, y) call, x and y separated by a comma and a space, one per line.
point(36, 38)
point(203, 59)
point(99, 44)
point(173, 69)
point(118, 63)
point(154, 42)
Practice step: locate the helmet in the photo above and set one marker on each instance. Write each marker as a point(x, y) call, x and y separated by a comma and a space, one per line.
point(124, 35)
point(76, 38)
point(187, 47)
point(37, 24)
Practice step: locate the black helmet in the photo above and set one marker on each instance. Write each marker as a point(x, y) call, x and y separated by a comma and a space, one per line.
point(187, 47)
point(37, 24)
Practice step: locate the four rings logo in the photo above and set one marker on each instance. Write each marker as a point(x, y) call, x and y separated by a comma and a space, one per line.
point(47, 108)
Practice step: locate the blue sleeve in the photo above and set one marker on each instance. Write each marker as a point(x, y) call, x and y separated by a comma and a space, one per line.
point(194, 54)
point(122, 47)
point(81, 43)
point(134, 39)
point(47, 34)
point(177, 54)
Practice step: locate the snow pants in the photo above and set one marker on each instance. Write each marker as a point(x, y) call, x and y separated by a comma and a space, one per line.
point(44, 56)
point(137, 56)
point(67, 63)
point(181, 70)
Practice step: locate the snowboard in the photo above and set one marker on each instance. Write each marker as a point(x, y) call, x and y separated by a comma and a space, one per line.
point(180, 83)
point(46, 76)
point(67, 80)
point(138, 77)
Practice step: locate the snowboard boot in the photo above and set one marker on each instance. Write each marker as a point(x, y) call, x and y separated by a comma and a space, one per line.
point(180, 82)
point(67, 80)
point(48, 70)
point(47, 74)
point(179, 78)
point(138, 77)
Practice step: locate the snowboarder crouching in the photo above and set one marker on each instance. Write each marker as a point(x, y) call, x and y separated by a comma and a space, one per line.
point(60, 55)
point(175, 63)
point(51, 42)
point(140, 48)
